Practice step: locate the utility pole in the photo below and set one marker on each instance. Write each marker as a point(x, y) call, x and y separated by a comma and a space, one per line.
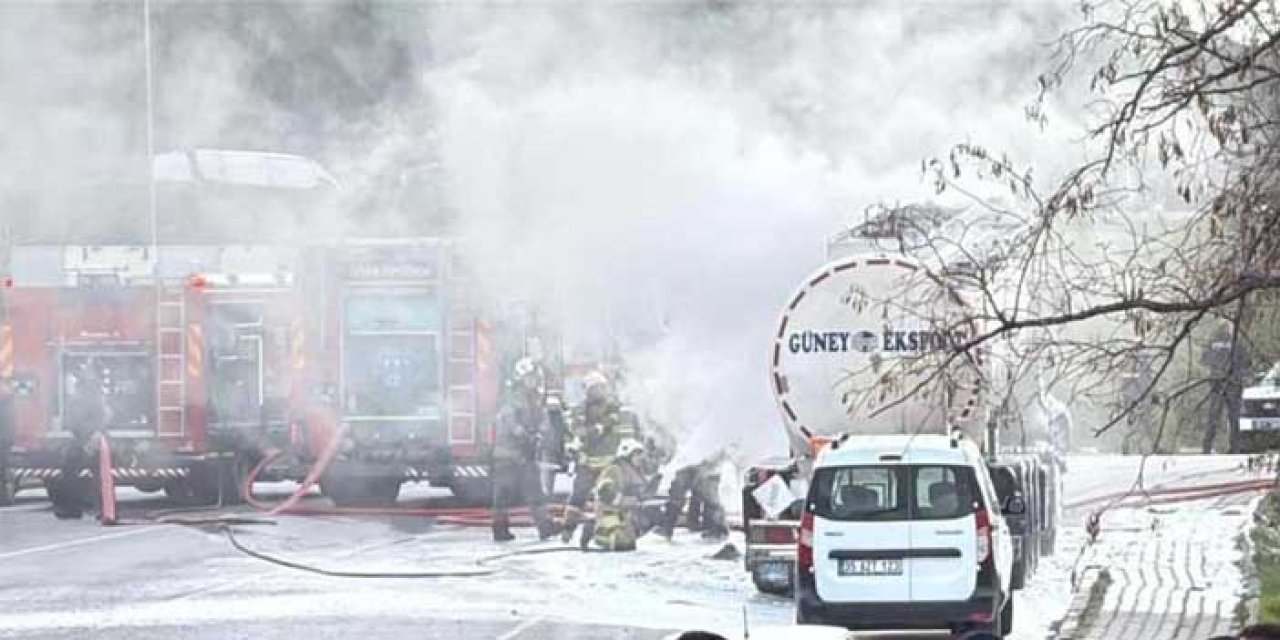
point(151, 134)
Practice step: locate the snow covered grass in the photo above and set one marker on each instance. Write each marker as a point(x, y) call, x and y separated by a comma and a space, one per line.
point(1266, 558)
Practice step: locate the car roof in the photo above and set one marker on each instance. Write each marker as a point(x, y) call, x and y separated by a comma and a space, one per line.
point(917, 449)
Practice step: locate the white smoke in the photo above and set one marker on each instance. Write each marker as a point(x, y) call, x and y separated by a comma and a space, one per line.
point(604, 154)
point(664, 166)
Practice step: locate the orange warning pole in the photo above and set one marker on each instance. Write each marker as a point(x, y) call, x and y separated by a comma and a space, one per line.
point(106, 483)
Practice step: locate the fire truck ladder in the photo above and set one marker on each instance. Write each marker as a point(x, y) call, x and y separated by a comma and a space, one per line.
point(171, 382)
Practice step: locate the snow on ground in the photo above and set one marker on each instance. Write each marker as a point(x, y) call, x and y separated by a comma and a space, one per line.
point(1175, 570)
point(660, 586)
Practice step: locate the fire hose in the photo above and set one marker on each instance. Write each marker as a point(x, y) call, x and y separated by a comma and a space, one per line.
point(462, 516)
point(1093, 523)
point(290, 505)
point(1170, 495)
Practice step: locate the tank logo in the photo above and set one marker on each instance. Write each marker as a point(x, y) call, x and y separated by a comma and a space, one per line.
point(865, 341)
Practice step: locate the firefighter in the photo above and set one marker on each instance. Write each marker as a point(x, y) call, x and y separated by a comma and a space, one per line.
point(619, 498)
point(87, 415)
point(8, 484)
point(597, 431)
point(700, 484)
point(521, 425)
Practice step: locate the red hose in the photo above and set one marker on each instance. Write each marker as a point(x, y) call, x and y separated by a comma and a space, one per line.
point(463, 516)
point(1170, 491)
point(107, 482)
point(1093, 524)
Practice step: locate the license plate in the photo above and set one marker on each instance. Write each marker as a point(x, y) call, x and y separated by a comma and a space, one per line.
point(891, 567)
point(1266, 425)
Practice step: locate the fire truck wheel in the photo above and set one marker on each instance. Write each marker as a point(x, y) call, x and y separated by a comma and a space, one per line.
point(8, 488)
point(181, 492)
point(472, 492)
point(218, 482)
point(349, 490)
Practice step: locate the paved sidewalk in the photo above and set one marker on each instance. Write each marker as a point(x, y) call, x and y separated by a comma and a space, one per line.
point(1171, 573)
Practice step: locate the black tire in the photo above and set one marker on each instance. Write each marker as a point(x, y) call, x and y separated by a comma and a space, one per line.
point(182, 492)
point(1006, 619)
point(472, 492)
point(228, 478)
point(8, 489)
point(771, 588)
point(213, 483)
point(352, 490)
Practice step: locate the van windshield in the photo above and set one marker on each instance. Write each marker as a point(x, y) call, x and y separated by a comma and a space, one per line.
point(893, 492)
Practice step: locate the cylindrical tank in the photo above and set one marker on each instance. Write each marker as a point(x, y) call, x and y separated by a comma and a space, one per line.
point(865, 346)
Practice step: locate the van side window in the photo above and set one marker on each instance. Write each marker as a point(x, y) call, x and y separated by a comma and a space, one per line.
point(860, 493)
point(941, 492)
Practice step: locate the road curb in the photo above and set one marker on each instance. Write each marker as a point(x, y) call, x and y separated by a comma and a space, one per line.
point(1087, 596)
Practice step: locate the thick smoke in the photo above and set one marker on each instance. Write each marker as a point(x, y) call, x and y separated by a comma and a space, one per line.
point(666, 170)
point(686, 163)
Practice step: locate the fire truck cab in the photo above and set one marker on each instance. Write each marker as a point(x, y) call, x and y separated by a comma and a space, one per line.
point(188, 348)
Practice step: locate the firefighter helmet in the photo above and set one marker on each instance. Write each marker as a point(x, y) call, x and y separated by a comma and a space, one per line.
point(593, 379)
point(629, 447)
point(524, 368)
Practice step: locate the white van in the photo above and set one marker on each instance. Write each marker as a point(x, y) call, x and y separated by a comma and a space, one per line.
point(904, 532)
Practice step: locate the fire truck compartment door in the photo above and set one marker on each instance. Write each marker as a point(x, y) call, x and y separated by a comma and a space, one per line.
point(111, 388)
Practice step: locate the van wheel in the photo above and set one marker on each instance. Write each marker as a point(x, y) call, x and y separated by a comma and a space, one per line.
point(1006, 618)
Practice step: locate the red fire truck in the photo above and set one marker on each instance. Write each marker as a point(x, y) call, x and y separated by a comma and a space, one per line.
point(191, 346)
point(402, 351)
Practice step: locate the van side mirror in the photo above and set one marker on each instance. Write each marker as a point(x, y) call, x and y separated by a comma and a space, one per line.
point(1014, 505)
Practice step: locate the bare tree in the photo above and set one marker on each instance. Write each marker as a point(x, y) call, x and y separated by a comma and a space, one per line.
point(1117, 278)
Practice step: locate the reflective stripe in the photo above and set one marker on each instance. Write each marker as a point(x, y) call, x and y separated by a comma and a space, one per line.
point(298, 346)
point(195, 349)
point(597, 462)
point(6, 351)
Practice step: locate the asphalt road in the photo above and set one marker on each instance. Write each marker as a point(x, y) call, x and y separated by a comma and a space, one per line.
point(61, 579)
point(76, 579)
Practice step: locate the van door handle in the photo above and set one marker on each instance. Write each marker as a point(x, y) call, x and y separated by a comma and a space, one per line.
point(949, 532)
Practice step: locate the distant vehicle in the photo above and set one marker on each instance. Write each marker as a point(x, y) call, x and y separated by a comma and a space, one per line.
point(1260, 414)
point(905, 532)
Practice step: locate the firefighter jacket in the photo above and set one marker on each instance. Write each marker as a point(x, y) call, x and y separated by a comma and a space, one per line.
point(619, 493)
point(599, 429)
point(519, 426)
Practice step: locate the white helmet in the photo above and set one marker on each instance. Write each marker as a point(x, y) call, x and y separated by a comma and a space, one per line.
point(629, 447)
point(524, 367)
point(594, 378)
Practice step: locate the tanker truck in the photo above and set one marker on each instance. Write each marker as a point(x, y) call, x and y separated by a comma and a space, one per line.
point(866, 346)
